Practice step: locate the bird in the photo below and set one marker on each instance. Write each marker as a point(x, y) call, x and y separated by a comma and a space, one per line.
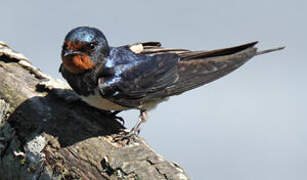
point(143, 74)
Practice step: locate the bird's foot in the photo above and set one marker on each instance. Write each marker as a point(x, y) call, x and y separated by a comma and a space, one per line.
point(129, 136)
point(126, 137)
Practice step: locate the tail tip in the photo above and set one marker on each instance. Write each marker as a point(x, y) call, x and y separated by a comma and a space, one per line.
point(271, 50)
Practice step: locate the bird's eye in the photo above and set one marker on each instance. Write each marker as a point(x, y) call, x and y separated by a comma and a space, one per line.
point(92, 46)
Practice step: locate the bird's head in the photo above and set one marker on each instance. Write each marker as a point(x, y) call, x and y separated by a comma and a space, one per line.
point(83, 48)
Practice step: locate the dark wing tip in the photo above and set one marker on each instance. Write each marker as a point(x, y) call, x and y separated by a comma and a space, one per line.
point(252, 43)
point(217, 52)
point(242, 47)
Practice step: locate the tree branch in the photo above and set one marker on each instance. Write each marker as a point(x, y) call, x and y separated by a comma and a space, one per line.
point(43, 135)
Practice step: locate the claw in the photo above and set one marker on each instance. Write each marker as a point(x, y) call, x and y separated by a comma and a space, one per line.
point(134, 132)
point(126, 136)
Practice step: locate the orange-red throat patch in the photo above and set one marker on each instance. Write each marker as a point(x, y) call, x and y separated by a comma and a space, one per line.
point(78, 63)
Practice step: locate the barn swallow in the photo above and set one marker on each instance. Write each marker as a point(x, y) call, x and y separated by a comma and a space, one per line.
point(141, 75)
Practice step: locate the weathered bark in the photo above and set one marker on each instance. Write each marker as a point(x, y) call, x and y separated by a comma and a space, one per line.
point(45, 136)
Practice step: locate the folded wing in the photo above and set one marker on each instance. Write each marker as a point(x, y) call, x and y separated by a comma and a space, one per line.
point(169, 72)
point(197, 68)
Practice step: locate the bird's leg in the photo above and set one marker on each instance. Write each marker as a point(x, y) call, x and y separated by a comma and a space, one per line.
point(130, 135)
point(142, 118)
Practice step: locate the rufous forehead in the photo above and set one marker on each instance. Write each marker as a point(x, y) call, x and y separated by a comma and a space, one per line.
point(71, 45)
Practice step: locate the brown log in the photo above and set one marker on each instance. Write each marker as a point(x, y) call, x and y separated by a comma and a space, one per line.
point(44, 134)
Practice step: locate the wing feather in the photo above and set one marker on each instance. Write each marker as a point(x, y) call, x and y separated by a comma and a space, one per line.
point(197, 68)
point(165, 72)
point(136, 76)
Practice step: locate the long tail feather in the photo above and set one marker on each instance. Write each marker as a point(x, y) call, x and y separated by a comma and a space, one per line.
point(270, 50)
point(201, 67)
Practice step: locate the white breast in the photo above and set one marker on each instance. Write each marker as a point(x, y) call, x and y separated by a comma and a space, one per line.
point(98, 102)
